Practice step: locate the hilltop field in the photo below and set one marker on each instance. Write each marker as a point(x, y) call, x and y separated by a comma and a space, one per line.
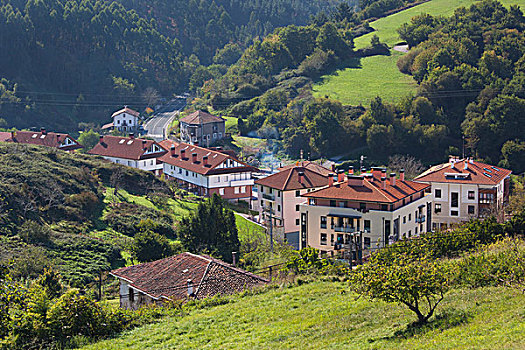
point(373, 76)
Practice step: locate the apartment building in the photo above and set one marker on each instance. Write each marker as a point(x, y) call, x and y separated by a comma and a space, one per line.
point(464, 189)
point(205, 171)
point(368, 210)
point(130, 151)
point(279, 197)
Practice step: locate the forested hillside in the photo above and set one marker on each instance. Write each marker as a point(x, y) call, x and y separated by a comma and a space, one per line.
point(69, 61)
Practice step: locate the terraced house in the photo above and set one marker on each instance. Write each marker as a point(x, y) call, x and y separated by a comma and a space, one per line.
point(464, 189)
point(366, 211)
point(205, 171)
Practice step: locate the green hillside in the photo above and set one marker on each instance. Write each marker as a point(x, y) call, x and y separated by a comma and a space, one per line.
point(379, 75)
point(324, 315)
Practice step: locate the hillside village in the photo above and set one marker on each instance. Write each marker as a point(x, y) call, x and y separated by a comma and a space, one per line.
point(265, 209)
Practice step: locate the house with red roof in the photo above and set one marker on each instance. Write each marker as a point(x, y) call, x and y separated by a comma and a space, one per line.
point(367, 211)
point(464, 189)
point(136, 153)
point(181, 277)
point(279, 196)
point(206, 171)
point(201, 128)
point(61, 141)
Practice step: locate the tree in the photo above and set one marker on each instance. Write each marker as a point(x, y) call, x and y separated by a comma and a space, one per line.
point(150, 246)
point(411, 165)
point(211, 228)
point(419, 283)
point(88, 139)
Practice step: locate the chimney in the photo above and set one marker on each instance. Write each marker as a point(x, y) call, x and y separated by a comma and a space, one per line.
point(43, 130)
point(376, 171)
point(234, 258)
point(351, 170)
point(131, 135)
point(101, 139)
point(354, 180)
point(205, 160)
point(333, 167)
point(402, 175)
point(194, 157)
point(301, 175)
point(182, 153)
point(340, 176)
point(172, 150)
point(330, 179)
point(190, 288)
point(383, 173)
point(383, 183)
point(392, 179)
point(452, 164)
point(466, 164)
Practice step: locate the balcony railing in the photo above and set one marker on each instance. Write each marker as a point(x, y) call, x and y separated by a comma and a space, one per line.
point(346, 229)
point(270, 197)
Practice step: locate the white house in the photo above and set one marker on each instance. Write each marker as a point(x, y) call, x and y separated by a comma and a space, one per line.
point(130, 151)
point(125, 119)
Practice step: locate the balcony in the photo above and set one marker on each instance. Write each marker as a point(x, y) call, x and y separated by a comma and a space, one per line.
point(421, 219)
point(346, 229)
point(248, 182)
point(270, 197)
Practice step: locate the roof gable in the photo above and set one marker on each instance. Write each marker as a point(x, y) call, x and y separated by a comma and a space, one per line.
point(42, 138)
point(201, 117)
point(125, 110)
point(288, 179)
point(127, 148)
point(475, 173)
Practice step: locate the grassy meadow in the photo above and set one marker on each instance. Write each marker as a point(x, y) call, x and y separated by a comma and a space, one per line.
point(325, 315)
point(378, 75)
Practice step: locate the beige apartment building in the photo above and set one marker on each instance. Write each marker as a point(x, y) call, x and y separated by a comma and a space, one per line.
point(366, 210)
point(280, 195)
point(464, 189)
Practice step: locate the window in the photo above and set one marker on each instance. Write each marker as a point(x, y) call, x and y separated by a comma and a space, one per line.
point(416, 231)
point(297, 221)
point(342, 204)
point(131, 295)
point(471, 209)
point(454, 213)
point(214, 135)
point(278, 207)
point(297, 207)
point(367, 225)
point(236, 190)
point(366, 242)
point(409, 217)
point(332, 240)
point(437, 193)
point(437, 208)
point(332, 203)
point(311, 201)
point(454, 199)
point(323, 221)
point(243, 189)
point(471, 195)
point(279, 194)
point(404, 219)
point(221, 191)
point(323, 238)
point(362, 206)
point(409, 233)
point(186, 172)
point(297, 193)
point(384, 207)
point(220, 134)
point(270, 191)
point(225, 179)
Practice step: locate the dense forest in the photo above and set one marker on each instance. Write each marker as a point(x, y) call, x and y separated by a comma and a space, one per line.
point(470, 73)
point(69, 61)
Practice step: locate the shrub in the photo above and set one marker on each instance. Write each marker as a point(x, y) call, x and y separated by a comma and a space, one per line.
point(150, 246)
point(32, 232)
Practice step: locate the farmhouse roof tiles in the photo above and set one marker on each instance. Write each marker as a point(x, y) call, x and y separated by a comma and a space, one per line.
point(42, 138)
point(127, 148)
point(294, 178)
point(125, 110)
point(201, 117)
point(476, 173)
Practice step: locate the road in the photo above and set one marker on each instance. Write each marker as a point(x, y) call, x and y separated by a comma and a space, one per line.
point(157, 126)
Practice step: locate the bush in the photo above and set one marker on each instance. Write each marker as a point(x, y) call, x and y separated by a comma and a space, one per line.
point(32, 232)
point(150, 246)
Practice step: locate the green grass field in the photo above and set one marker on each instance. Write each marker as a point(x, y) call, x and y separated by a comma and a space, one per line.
point(324, 315)
point(378, 75)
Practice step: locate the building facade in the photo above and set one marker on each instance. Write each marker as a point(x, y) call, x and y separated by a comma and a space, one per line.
point(204, 171)
point(136, 153)
point(279, 197)
point(464, 189)
point(125, 120)
point(201, 129)
point(366, 211)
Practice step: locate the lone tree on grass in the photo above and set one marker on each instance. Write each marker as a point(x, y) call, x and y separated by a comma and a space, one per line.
point(210, 228)
point(419, 283)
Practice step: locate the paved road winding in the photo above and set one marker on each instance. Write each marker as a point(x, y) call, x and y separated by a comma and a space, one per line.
point(158, 125)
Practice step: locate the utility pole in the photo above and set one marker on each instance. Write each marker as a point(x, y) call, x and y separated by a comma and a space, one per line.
point(463, 144)
point(361, 159)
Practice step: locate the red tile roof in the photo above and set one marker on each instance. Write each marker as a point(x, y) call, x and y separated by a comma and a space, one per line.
point(41, 138)
point(167, 278)
point(308, 165)
point(370, 191)
point(215, 159)
point(476, 173)
point(201, 117)
point(126, 110)
point(126, 147)
point(288, 179)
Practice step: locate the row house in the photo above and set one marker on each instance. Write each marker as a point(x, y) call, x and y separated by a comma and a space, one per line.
point(367, 211)
point(201, 128)
point(134, 152)
point(205, 171)
point(464, 189)
point(57, 140)
point(279, 197)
